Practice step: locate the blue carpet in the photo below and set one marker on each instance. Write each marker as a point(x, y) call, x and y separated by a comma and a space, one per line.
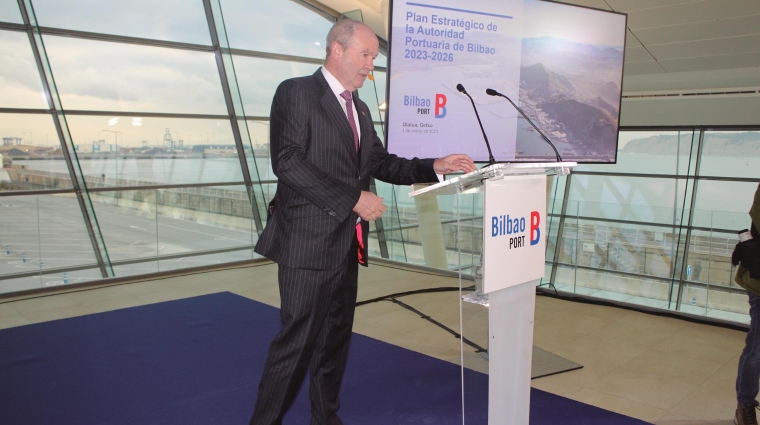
point(198, 361)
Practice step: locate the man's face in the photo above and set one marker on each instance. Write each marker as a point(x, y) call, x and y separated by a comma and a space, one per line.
point(354, 62)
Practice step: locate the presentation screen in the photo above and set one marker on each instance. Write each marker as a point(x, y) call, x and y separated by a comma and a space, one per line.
point(562, 65)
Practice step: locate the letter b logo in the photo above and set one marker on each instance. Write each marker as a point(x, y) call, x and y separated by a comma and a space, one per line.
point(535, 232)
point(440, 105)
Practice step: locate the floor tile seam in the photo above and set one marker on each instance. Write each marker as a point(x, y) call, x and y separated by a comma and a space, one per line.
point(558, 349)
point(631, 400)
point(76, 304)
point(678, 403)
point(664, 411)
point(594, 319)
point(10, 307)
point(691, 357)
point(736, 367)
point(640, 329)
point(35, 321)
point(27, 322)
point(670, 378)
point(576, 391)
point(656, 352)
point(698, 383)
point(120, 297)
point(141, 292)
point(610, 321)
point(596, 377)
point(183, 290)
point(622, 365)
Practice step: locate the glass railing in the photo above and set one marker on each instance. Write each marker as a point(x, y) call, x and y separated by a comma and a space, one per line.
point(632, 254)
point(46, 242)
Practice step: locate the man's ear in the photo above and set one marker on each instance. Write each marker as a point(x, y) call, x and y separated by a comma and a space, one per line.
point(336, 49)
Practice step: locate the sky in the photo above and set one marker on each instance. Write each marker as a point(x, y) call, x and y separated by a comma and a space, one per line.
point(579, 24)
point(106, 76)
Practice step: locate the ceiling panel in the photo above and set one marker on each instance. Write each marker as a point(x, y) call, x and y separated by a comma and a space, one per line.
point(631, 40)
point(742, 60)
point(631, 5)
point(718, 46)
point(730, 27)
point(638, 68)
point(685, 13)
point(596, 4)
point(637, 54)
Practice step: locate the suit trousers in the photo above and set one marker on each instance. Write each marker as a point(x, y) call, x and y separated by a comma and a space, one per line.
point(317, 313)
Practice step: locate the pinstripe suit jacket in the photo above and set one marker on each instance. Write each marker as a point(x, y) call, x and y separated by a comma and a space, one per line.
point(320, 176)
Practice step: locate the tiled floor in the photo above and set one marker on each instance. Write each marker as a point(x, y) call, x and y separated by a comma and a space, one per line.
point(661, 370)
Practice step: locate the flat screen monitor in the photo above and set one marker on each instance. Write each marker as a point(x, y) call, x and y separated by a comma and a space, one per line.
point(560, 64)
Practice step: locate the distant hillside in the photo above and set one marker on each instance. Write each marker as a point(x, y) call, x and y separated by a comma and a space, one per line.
point(537, 77)
point(604, 106)
point(584, 124)
point(715, 144)
point(610, 92)
point(571, 58)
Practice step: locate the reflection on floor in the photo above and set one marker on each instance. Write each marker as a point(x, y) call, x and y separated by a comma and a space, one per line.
point(661, 370)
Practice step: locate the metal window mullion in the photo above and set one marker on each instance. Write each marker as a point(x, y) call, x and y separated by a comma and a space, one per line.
point(689, 230)
point(61, 128)
point(560, 229)
point(232, 115)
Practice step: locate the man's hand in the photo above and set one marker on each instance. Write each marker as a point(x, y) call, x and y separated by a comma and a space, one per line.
point(370, 207)
point(455, 162)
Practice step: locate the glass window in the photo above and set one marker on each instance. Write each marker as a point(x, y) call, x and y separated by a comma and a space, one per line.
point(42, 232)
point(731, 154)
point(648, 152)
point(626, 198)
point(135, 151)
point(258, 79)
point(32, 158)
point(150, 224)
point(275, 26)
point(381, 60)
point(20, 83)
point(96, 75)
point(259, 133)
point(725, 197)
point(172, 20)
point(710, 257)
point(373, 94)
point(207, 260)
point(9, 12)
point(48, 279)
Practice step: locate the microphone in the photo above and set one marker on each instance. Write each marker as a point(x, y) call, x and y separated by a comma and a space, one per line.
point(488, 145)
point(492, 92)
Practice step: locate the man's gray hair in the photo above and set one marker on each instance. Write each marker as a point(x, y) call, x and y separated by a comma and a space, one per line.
point(342, 33)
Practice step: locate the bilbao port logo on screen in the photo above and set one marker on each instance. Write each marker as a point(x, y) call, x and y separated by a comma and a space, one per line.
point(515, 229)
point(424, 105)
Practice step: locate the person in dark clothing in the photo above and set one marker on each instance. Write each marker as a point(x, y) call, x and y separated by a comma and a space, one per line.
point(747, 257)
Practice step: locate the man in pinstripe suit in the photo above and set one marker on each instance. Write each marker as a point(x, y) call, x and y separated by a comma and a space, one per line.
point(324, 151)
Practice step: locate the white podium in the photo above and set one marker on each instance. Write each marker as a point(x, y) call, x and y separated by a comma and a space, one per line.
point(501, 237)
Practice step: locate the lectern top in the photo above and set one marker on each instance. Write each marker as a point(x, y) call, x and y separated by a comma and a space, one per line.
point(496, 171)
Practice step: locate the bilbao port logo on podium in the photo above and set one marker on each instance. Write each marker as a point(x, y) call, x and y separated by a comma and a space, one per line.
point(514, 250)
point(515, 228)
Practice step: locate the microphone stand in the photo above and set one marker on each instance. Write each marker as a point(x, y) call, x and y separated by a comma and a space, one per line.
point(492, 92)
point(491, 160)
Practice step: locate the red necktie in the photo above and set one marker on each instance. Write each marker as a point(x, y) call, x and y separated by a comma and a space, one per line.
point(350, 115)
point(346, 95)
